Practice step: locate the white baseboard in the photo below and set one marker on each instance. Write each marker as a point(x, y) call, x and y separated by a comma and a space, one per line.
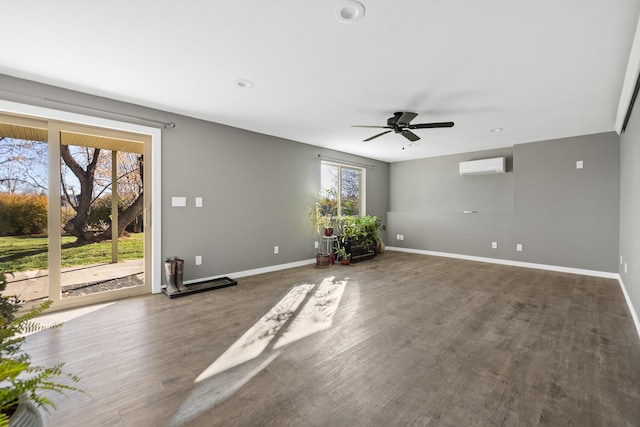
point(595, 273)
point(255, 271)
point(634, 314)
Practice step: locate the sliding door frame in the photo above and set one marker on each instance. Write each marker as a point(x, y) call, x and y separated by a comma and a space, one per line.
point(152, 206)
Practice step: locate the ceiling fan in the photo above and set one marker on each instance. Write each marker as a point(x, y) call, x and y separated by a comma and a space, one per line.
point(400, 123)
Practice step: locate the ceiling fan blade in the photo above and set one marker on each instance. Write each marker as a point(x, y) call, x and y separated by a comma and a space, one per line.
point(375, 136)
point(410, 135)
point(376, 127)
point(406, 118)
point(431, 125)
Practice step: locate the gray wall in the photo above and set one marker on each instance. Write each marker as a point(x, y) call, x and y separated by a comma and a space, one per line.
point(256, 191)
point(256, 188)
point(630, 208)
point(428, 198)
point(561, 215)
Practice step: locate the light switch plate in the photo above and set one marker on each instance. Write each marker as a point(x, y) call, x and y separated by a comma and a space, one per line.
point(198, 202)
point(579, 164)
point(179, 202)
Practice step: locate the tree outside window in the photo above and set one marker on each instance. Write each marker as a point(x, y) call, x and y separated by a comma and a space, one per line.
point(342, 187)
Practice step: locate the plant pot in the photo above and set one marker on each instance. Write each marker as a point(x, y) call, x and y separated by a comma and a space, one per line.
point(345, 261)
point(322, 260)
point(328, 231)
point(27, 414)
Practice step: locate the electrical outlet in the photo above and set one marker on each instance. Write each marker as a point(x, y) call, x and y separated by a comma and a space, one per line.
point(315, 244)
point(519, 247)
point(276, 250)
point(625, 268)
point(494, 245)
point(198, 260)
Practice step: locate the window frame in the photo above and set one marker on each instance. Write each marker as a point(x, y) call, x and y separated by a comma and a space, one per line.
point(363, 180)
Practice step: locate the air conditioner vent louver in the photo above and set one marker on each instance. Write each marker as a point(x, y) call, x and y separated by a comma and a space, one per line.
point(483, 167)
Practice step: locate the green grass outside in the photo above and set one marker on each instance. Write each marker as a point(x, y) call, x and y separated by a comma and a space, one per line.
point(26, 253)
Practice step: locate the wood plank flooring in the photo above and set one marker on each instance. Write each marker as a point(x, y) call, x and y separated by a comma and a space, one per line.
point(416, 341)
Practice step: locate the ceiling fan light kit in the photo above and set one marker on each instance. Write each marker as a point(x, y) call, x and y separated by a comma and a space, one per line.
point(401, 123)
point(348, 12)
point(244, 83)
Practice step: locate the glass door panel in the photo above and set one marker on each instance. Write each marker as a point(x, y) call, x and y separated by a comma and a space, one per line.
point(101, 187)
point(23, 208)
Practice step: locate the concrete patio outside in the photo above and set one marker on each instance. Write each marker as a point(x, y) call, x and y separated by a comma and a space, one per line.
point(34, 285)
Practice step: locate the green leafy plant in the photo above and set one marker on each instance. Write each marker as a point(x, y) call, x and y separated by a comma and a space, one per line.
point(364, 228)
point(341, 252)
point(22, 214)
point(369, 227)
point(20, 380)
point(322, 212)
point(349, 228)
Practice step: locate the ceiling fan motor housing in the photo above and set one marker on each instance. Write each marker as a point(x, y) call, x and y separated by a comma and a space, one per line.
point(391, 121)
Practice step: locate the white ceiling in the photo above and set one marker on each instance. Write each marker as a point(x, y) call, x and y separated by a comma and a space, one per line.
point(538, 69)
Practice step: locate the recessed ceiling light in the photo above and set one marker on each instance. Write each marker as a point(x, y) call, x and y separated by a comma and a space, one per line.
point(244, 83)
point(496, 130)
point(349, 11)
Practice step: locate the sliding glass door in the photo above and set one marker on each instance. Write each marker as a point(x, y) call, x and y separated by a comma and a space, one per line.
point(96, 189)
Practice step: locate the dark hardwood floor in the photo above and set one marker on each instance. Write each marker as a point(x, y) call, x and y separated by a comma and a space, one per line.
point(416, 341)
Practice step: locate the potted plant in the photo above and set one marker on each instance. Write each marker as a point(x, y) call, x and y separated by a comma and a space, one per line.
point(321, 215)
point(359, 235)
point(326, 222)
point(342, 255)
point(370, 227)
point(21, 382)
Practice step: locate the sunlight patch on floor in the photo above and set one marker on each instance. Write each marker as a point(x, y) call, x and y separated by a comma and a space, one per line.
point(284, 323)
point(253, 342)
point(47, 320)
point(316, 315)
point(305, 310)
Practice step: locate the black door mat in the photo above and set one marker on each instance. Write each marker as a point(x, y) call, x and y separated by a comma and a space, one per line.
point(207, 285)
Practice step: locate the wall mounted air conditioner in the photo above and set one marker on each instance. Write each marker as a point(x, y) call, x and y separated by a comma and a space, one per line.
point(483, 167)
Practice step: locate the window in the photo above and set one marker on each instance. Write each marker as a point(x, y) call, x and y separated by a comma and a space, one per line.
point(344, 186)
